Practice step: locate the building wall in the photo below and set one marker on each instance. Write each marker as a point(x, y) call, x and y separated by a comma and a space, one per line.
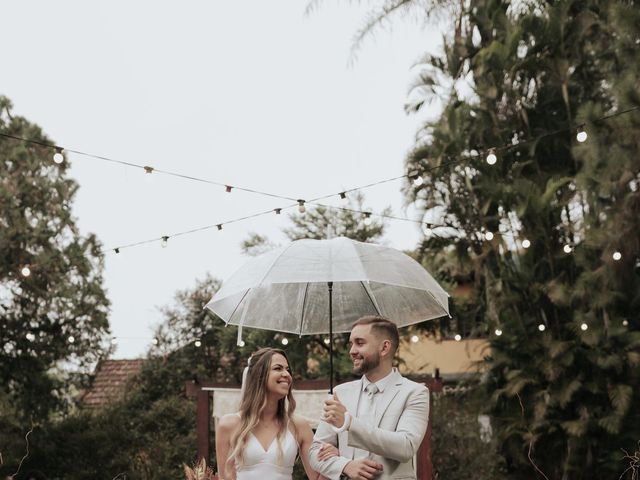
point(449, 356)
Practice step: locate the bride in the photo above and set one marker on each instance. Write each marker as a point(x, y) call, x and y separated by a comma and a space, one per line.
point(262, 440)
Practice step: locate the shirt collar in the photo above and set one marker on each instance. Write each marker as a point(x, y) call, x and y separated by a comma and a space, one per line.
point(382, 383)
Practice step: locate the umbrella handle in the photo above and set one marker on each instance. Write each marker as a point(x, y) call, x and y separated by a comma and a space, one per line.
point(330, 285)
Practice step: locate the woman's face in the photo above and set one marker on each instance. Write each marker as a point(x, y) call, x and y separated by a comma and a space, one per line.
point(279, 379)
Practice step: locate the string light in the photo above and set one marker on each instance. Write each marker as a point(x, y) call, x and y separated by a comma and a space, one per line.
point(58, 157)
point(327, 341)
point(584, 327)
point(114, 341)
point(526, 243)
point(25, 271)
point(71, 339)
point(625, 323)
point(198, 343)
point(498, 332)
point(154, 341)
point(241, 344)
point(227, 188)
point(414, 339)
point(581, 136)
point(418, 181)
point(457, 337)
point(343, 195)
point(488, 236)
point(567, 248)
point(285, 341)
point(367, 218)
point(278, 211)
point(617, 256)
point(301, 207)
point(164, 241)
point(117, 250)
point(491, 157)
point(148, 169)
point(542, 327)
point(219, 226)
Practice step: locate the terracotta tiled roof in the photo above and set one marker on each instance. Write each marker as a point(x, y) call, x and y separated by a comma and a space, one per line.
point(110, 381)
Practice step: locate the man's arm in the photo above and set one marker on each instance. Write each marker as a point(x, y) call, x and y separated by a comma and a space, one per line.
point(401, 444)
point(331, 467)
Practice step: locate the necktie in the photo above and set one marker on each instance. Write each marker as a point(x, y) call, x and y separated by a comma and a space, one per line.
point(366, 413)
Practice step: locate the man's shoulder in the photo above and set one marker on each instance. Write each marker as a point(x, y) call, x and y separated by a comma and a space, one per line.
point(348, 385)
point(413, 386)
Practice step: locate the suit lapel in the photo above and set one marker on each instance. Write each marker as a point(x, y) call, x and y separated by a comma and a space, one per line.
point(389, 394)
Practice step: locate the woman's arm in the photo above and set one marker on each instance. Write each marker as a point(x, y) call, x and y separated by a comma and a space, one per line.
point(226, 425)
point(305, 438)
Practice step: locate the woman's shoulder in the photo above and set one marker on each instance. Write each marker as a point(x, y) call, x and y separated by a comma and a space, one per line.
point(229, 421)
point(301, 426)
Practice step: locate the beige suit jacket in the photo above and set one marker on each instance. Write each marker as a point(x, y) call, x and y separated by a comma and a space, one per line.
point(401, 418)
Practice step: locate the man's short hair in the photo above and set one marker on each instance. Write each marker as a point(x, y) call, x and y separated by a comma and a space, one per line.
point(382, 327)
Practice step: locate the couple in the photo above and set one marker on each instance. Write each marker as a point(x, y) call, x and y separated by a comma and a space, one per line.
point(371, 428)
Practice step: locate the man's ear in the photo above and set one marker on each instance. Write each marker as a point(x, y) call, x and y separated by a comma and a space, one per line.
point(385, 347)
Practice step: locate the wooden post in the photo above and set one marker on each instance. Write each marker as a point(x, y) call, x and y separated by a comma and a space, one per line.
point(203, 413)
point(425, 465)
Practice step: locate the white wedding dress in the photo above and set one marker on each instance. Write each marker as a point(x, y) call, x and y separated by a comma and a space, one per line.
point(261, 464)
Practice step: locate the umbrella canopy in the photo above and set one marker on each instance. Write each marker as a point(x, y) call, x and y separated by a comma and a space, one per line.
point(286, 289)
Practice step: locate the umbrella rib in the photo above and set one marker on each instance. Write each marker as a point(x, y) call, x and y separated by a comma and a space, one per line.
point(238, 305)
point(373, 302)
point(304, 302)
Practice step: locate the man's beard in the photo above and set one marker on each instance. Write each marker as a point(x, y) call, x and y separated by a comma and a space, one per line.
point(367, 364)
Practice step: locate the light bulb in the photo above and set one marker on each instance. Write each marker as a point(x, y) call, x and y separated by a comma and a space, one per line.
point(301, 207)
point(617, 256)
point(418, 181)
point(457, 337)
point(567, 249)
point(491, 157)
point(154, 341)
point(58, 157)
point(114, 341)
point(488, 236)
point(498, 332)
point(278, 211)
point(241, 344)
point(526, 243)
point(227, 188)
point(285, 341)
point(25, 271)
point(584, 327)
point(581, 136)
point(71, 339)
point(198, 343)
point(415, 339)
point(327, 341)
point(219, 226)
point(367, 219)
point(625, 323)
point(343, 195)
point(164, 241)
point(542, 327)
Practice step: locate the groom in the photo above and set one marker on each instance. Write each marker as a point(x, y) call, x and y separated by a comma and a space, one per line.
point(377, 422)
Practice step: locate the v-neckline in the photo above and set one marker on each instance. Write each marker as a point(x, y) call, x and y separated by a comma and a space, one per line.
point(265, 450)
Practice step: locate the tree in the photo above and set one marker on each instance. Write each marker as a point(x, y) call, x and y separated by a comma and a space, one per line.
point(53, 307)
point(523, 78)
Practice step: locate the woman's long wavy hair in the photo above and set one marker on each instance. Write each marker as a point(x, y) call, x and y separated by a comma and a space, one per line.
point(254, 401)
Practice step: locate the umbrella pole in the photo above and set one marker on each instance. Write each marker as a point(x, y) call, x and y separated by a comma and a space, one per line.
point(330, 285)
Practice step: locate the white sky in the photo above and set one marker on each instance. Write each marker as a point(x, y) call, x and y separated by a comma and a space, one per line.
point(252, 93)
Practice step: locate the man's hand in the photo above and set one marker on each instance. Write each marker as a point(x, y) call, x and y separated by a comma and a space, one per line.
point(333, 411)
point(327, 451)
point(363, 469)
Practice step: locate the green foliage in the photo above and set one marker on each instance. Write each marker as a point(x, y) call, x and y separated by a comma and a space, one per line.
point(63, 296)
point(565, 399)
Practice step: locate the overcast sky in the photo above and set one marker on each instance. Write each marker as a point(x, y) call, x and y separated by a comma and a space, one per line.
point(255, 94)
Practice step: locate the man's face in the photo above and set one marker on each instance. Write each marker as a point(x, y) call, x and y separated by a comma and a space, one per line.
point(365, 349)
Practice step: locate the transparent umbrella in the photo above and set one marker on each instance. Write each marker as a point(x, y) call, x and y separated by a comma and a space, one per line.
point(323, 286)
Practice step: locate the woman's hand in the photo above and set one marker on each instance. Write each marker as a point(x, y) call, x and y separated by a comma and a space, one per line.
point(327, 451)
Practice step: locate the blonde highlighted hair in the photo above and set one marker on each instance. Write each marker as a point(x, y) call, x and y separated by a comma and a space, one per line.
point(254, 401)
